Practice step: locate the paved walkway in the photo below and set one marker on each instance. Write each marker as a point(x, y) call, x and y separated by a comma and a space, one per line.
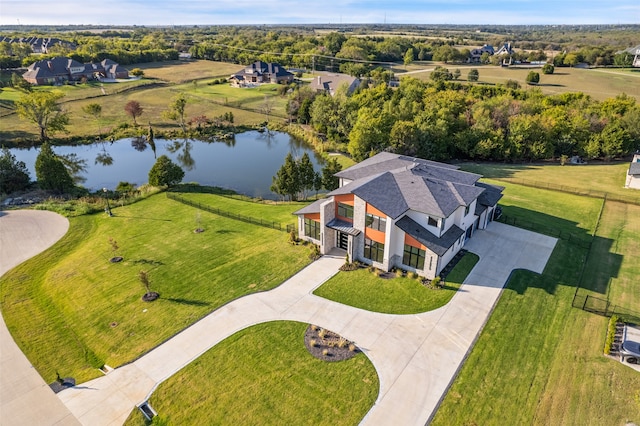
point(416, 356)
point(25, 398)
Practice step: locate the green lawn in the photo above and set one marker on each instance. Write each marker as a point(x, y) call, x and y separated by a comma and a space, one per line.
point(70, 309)
point(538, 360)
point(400, 295)
point(280, 212)
point(614, 267)
point(600, 177)
point(264, 375)
point(600, 84)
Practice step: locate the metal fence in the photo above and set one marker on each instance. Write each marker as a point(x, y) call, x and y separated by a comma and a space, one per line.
point(600, 306)
point(627, 199)
point(255, 221)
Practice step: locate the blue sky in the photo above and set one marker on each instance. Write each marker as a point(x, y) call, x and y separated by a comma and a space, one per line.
point(229, 12)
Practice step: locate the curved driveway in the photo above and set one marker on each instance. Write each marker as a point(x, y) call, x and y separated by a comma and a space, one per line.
point(25, 398)
point(416, 356)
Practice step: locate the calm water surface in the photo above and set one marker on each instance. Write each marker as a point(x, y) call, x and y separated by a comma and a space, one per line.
point(245, 164)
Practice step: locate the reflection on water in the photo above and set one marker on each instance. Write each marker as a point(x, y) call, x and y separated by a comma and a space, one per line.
point(245, 163)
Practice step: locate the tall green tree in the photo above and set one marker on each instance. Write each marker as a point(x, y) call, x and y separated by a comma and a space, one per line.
point(165, 172)
point(42, 108)
point(473, 75)
point(51, 172)
point(533, 77)
point(286, 182)
point(408, 57)
point(176, 110)
point(329, 180)
point(306, 175)
point(14, 175)
point(94, 110)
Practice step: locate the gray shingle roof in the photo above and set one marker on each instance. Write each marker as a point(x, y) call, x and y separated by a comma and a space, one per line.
point(399, 190)
point(386, 161)
point(311, 208)
point(491, 195)
point(437, 245)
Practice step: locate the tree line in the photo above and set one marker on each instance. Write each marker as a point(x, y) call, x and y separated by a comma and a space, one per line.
point(443, 120)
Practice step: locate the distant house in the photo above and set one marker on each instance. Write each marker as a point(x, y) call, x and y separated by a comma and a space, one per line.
point(633, 175)
point(261, 72)
point(635, 51)
point(40, 44)
point(60, 70)
point(397, 211)
point(506, 49)
point(330, 83)
point(476, 54)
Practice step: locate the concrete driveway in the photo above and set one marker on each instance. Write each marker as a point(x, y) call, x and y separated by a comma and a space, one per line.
point(415, 356)
point(25, 398)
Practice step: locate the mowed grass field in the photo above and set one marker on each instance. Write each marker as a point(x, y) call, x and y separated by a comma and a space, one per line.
point(597, 177)
point(264, 375)
point(70, 309)
point(600, 84)
point(539, 360)
point(162, 82)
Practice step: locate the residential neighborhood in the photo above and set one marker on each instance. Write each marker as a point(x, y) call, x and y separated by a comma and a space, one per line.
point(345, 224)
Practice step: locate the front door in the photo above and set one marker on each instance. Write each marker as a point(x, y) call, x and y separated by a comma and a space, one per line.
point(343, 240)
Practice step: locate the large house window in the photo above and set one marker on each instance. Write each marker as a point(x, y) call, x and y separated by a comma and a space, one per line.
point(413, 256)
point(373, 250)
point(466, 210)
point(312, 228)
point(376, 222)
point(345, 210)
point(433, 222)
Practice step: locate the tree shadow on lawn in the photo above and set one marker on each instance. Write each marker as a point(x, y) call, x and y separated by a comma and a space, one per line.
point(187, 302)
point(580, 251)
point(492, 170)
point(147, 262)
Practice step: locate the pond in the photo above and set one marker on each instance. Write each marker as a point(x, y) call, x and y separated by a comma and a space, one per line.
point(245, 163)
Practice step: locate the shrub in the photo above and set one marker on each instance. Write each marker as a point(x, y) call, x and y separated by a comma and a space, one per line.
point(611, 334)
point(548, 69)
point(325, 352)
point(414, 275)
point(165, 172)
point(137, 72)
point(533, 78)
point(322, 333)
point(313, 343)
point(436, 281)
point(352, 347)
point(314, 328)
point(342, 342)
point(512, 84)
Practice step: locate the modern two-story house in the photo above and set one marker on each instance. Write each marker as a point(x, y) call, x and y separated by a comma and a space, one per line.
point(397, 211)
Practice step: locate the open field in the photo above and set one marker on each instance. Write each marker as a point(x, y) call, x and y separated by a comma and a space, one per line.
point(399, 295)
point(600, 84)
point(163, 82)
point(88, 311)
point(264, 375)
point(183, 71)
point(601, 177)
point(614, 266)
point(538, 360)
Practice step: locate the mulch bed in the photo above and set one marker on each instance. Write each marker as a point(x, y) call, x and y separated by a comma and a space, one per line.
point(151, 296)
point(330, 342)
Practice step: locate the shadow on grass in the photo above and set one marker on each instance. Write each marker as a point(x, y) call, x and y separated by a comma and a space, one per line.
point(225, 231)
point(187, 302)
point(147, 262)
point(140, 217)
point(494, 170)
point(585, 261)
